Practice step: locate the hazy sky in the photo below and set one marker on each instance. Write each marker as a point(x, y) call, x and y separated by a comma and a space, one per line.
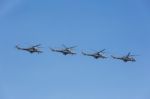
point(120, 26)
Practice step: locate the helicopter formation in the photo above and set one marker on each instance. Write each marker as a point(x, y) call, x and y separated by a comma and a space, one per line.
point(70, 51)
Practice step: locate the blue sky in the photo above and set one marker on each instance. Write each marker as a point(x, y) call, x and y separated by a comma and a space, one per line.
point(120, 26)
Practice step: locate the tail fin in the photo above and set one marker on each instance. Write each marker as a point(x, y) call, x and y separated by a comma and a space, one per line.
point(18, 47)
point(84, 53)
point(113, 57)
point(52, 49)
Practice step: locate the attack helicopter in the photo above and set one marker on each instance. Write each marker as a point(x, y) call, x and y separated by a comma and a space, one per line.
point(32, 49)
point(65, 50)
point(125, 58)
point(96, 55)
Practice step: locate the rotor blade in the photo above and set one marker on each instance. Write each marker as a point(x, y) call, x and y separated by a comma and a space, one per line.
point(68, 47)
point(64, 46)
point(72, 47)
point(94, 50)
point(103, 50)
point(37, 45)
point(134, 55)
point(128, 54)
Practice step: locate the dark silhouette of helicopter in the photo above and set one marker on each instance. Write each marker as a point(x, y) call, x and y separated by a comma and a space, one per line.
point(126, 58)
point(65, 51)
point(32, 49)
point(96, 55)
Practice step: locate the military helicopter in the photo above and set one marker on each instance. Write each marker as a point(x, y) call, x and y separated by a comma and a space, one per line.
point(65, 51)
point(32, 49)
point(96, 55)
point(126, 58)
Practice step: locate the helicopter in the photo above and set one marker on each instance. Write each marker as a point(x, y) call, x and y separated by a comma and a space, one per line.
point(96, 55)
point(32, 49)
point(65, 51)
point(126, 58)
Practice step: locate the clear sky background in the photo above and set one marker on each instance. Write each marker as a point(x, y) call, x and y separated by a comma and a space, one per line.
point(120, 26)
